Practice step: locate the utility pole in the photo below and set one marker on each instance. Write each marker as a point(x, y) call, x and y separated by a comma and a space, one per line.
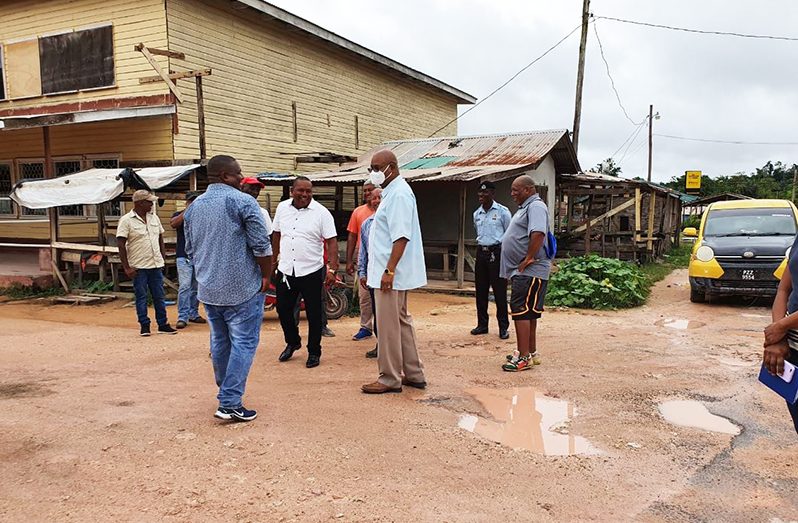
point(580, 75)
point(650, 141)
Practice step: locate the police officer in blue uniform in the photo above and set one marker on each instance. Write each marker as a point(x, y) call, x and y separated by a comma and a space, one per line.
point(491, 219)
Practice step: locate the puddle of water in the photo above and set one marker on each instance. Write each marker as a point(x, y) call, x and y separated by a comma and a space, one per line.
point(690, 413)
point(679, 324)
point(524, 418)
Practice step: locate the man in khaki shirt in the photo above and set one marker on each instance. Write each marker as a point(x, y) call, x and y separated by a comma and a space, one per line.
point(140, 239)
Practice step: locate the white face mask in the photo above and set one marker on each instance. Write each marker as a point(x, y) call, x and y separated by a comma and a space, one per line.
point(377, 178)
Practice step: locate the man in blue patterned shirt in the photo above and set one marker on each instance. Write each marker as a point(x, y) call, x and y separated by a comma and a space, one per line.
point(375, 197)
point(227, 240)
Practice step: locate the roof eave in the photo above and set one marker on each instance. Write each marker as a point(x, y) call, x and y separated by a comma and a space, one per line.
point(339, 41)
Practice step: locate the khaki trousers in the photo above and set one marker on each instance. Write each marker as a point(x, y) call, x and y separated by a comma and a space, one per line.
point(397, 354)
point(366, 312)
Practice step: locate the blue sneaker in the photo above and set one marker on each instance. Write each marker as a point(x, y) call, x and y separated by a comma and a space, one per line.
point(362, 334)
point(239, 414)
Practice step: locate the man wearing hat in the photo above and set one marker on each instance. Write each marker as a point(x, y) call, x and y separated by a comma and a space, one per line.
point(491, 219)
point(252, 186)
point(187, 302)
point(139, 236)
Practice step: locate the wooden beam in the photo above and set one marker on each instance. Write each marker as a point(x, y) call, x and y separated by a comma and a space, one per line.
point(611, 212)
point(652, 211)
point(60, 276)
point(296, 127)
point(169, 83)
point(461, 237)
point(196, 73)
point(637, 213)
point(161, 52)
point(201, 118)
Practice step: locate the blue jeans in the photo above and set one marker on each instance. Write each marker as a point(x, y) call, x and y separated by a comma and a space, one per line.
point(187, 303)
point(151, 279)
point(235, 333)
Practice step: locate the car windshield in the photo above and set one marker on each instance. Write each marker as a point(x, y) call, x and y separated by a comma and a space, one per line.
point(750, 222)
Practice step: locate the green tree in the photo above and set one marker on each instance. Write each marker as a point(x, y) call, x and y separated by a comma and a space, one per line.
point(607, 167)
point(773, 180)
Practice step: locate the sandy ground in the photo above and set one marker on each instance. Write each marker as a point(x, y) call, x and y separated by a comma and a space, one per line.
point(98, 424)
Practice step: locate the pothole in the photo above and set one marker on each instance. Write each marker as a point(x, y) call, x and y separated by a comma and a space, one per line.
point(694, 414)
point(524, 418)
point(679, 324)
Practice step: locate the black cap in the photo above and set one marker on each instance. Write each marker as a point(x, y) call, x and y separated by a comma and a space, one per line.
point(487, 185)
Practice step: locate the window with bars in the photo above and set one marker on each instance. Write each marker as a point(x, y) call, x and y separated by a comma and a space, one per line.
point(31, 171)
point(63, 168)
point(113, 208)
point(6, 205)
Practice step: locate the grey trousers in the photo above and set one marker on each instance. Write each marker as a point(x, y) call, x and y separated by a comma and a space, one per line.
point(398, 354)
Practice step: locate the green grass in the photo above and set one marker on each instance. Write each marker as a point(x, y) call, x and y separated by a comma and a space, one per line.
point(21, 292)
point(677, 258)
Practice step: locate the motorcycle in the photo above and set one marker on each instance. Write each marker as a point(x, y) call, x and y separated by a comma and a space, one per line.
point(335, 299)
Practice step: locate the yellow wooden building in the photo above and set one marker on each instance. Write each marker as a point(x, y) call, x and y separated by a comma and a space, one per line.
point(108, 83)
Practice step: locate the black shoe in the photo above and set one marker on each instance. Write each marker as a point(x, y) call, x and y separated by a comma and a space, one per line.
point(327, 332)
point(145, 330)
point(313, 361)
point(198, 319)
point(239, 414)
point(288, 352)
point(479, 330)
point(181, 324)
point(504, 335)
point(166, 329)
point(372, 353)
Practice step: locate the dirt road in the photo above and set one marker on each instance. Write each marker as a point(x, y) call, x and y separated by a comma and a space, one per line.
point(100, 425)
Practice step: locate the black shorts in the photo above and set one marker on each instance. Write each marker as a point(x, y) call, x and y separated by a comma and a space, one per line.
point(527, 296)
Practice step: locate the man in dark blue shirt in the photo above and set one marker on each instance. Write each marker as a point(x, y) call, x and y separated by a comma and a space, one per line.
point(187, 302)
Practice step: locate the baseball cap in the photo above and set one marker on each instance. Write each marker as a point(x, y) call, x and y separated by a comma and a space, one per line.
point(142, 195)
point(251, 180)
point(484, 186)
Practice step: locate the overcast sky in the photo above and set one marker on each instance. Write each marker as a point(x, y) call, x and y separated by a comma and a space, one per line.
point(712, 87)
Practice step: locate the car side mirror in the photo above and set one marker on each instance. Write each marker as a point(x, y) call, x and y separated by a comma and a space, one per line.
point(690, 232)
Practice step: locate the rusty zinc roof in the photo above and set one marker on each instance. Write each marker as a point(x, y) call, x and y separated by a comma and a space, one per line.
point(463, 159)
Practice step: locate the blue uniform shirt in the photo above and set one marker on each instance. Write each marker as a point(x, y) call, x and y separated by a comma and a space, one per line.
point(397, 217)
point(363, 254)
point(491, 224)
point(225, 231)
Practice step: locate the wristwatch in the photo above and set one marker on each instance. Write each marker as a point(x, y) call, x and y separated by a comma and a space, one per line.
point(389, 273)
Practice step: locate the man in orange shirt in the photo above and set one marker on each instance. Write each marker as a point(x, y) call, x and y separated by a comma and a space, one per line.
point(359, 216)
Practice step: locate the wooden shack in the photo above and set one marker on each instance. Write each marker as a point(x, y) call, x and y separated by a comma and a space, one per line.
point(615, 217)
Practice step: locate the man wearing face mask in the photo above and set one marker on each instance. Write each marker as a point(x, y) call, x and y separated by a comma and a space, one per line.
point(139, 236)
point(227, 241)
point(395, 266)
point(302, 227)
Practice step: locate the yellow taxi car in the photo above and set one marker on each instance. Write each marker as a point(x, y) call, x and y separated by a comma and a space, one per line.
point(741, 248)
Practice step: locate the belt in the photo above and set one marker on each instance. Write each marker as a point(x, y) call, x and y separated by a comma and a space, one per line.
point(489, 248)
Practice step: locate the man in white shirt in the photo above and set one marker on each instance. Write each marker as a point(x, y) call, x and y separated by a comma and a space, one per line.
point(302, 228)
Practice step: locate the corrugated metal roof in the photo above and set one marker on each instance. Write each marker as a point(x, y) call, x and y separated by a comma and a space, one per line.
point(453, 159)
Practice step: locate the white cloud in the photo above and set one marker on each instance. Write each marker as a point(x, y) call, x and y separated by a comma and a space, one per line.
point(703, 86)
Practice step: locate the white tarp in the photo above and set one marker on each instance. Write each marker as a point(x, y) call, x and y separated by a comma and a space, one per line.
point(89, 187)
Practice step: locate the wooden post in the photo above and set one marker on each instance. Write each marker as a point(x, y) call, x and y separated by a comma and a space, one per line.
point(587, 225)
point(201, 119)
point(580, 73)
point(650, 141)
point(293, 119)
point(570, 213)
point(637, 215)
point(652, 211)
point(461, 237)
point(52, 212)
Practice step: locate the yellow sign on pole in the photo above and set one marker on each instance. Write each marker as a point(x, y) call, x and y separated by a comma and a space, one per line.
point(693, 181)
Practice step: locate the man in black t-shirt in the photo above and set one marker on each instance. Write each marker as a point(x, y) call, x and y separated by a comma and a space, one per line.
point(187, 303)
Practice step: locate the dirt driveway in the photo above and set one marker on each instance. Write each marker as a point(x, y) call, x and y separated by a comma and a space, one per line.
point(98, 424)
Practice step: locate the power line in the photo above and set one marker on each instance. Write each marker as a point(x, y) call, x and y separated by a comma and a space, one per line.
point(631, 143)
point(732, 142)
point(612, 82)
point(502, 86)
point(699, 31)
point(633, 133)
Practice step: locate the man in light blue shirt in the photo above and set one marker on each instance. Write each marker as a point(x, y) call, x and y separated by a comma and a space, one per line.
point(226, 239)
point(395, 266)
point(491, 219)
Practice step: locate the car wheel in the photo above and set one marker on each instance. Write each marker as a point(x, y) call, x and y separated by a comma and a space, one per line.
point(697, 296)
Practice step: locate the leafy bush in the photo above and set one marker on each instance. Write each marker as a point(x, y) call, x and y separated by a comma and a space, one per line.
point(22, 292)
point(694, 220)
point(593, 282)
